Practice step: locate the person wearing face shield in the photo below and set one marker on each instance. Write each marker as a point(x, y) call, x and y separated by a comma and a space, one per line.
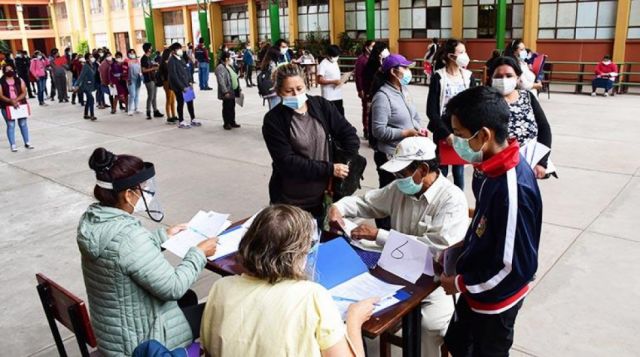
point(451, 77)
point(132, 289)
point(276, 309)
point(302, 134)
point(527, 120)
point(442, 221)
point(518, 51)
point(329, 78)
point(499, 257)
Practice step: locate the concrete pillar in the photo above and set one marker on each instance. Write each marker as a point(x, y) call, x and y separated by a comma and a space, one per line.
point(186, 21)
point(530, 30)
point(336, 20)
point(91, 39)
point(394, 25)
point(54, 22)
point(252, 13)
point(106, 7)
point(158, 29)
point(622, 26)
point(217, 37)
point(293, 21)
point(131, 28)
point(456, 18)
point(23, 29)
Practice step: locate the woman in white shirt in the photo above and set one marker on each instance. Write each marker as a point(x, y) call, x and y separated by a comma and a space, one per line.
point(273, 310)
point(527, 81)
point(329, 78)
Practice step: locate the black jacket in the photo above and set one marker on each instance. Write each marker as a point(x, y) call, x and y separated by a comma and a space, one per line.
point(544, 130)
point(178, 74)
point(276, 130)
point(22, 67)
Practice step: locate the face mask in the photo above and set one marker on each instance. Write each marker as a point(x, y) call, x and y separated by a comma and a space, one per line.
point(82, 60)
point(100, 54)
point(523, 55)
point(504, 85)
point(92, 59)
point(295, 102)
point(606, 63)
point(132, 56)
point(406, 77)
point(284, 50)
point(140, 205)
point(384, 54)
point(109, 58)
point(408, 186)
point(462, 148)
point(9, 73)
point(179, 53)
point(462, 60)
point(119, 60)
point(18, 55)
point(39, 57)
point(334, 59)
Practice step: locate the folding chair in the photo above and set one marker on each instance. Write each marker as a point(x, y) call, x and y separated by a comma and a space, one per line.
point(61, 305)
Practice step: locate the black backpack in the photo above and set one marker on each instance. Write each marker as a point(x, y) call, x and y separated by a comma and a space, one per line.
point(348, 185)
point(265, 83)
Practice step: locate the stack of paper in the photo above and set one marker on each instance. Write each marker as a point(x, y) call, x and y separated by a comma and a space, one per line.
point(362, 287)
point(202, 226)
point(370, 246)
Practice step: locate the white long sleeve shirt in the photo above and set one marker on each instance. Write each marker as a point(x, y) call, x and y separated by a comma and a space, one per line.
point(439, 217)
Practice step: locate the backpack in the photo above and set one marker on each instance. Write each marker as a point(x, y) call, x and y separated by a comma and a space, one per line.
point(265, 83)
point(348, 185)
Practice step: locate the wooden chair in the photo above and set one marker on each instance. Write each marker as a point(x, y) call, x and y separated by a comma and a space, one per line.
point(61, 305)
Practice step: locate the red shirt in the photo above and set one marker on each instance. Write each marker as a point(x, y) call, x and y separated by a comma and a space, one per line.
point(602, 68)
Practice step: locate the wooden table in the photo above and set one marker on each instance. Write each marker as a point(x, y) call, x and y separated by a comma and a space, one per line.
point(407, 311)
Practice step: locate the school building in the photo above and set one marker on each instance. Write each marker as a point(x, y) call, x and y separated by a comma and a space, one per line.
point(566, 30)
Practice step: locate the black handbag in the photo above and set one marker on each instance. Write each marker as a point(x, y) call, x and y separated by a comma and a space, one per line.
point(348, 185)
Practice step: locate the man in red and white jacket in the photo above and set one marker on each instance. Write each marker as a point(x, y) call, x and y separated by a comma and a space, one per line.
point(606, 74)
point(499, 255)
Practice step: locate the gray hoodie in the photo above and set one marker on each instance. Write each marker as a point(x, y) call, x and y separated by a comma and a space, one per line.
point(392, 111)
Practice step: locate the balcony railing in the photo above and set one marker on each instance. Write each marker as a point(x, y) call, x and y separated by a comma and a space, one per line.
point(9, 25)
point(29, 24)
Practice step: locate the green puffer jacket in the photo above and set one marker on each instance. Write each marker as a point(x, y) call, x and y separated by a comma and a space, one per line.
point(132, 288)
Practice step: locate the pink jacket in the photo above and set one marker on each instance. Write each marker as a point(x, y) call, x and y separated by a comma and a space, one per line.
point(37, 67)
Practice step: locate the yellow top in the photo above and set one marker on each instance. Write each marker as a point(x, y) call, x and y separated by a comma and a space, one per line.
point(245, 316)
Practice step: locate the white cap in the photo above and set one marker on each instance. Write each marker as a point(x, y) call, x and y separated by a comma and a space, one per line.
point(415, 148)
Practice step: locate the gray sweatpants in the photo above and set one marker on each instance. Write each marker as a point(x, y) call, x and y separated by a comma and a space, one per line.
point(151, 96)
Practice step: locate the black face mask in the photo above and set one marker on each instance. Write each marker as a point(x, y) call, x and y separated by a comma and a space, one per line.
point(9, 73)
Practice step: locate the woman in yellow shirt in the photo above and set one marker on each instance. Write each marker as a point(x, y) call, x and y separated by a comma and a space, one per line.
point(273, 310)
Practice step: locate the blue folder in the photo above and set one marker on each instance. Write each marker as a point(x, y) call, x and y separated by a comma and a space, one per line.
point(337, 262)
point(189, 95)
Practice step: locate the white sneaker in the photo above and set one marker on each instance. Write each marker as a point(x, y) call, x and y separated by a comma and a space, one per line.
point(29, 146)
point(196, 122)
point(14, 148)
point(137, 112)
point(606, 94)
point(130, 114)
point(593, 94)
point(184, 125)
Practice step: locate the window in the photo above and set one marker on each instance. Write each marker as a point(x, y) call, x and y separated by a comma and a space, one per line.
point(579, 20)
point(634, 20)
point(96, 6)
point(101, 40)
point(356, 19)
point(313, 17)
point(173, 27)
point(480, 18)
point(425, 18)
point(141, 36)
point(235, 23)
point(61, 11)
point(118, 4)
point(138, 3)
point(264, 24)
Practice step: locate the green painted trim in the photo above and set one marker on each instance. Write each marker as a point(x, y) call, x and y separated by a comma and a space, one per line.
point(370, 6)
point(204, 33)
point(501, 24)
point(148, 23)
point(274, 20)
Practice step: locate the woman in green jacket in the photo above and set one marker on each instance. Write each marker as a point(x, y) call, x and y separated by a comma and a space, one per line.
point(131, 287)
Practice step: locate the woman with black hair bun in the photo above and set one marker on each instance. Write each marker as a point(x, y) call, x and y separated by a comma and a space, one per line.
point(133, 290)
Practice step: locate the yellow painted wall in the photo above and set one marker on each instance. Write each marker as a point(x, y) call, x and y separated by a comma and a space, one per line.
point(336, 20)
point(394, 25)
point(217, 37)
point(530, 30)
point(293, 21)
point(456, 18)
point(622, 26)
point(252, 13)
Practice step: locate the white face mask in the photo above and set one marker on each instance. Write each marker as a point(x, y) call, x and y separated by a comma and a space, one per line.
point(522, 55)
point(505, 86)
point(92, 59)
point(385, 53)
point(462, 60)
point(140, 205)
point(179, 53)
point(606, 63)
point(284, 50)
point(335, 59)
point(82, 60)
point(132, 56)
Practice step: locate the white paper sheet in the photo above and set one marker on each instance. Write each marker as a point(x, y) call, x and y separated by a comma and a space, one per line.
point(202, 226)
point(362, 287)
point(367, 245)
point(345, 78)
point(405, 256)
point(228, 243)
point(22, 111)
point(533, 152)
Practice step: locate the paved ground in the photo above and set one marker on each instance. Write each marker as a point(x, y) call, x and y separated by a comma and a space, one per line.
point(585, 299)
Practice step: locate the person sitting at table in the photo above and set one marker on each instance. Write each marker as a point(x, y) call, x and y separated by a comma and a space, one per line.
point(272, 309)
point(133, 290)
point(420, 202)
point(606, 73)
point(300, 134)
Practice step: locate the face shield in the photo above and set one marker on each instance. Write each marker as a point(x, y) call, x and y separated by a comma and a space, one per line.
point(149, 197)
point(312, 256)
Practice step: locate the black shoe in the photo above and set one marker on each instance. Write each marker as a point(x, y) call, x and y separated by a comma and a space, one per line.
point(208, 88)
point(66, 100)
point(87, 117)
point(81, 103)
point(94, 118)
point(73, 102)
point(31, 97)
point(227, 127)
point(157, 114)
point(234, 125)
point(148, 115)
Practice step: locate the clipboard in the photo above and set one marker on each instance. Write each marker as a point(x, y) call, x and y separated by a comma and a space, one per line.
point(13, 113)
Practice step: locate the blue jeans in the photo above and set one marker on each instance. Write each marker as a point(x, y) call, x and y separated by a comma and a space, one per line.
point(203, 75)
point(458, 174)
point(11, 129)
point(41, 83)
point(134, 90)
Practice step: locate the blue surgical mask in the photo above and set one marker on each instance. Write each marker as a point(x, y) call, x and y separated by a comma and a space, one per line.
point(406, 78)
point(295, 102)
point(408, 186)
point(461, 146)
